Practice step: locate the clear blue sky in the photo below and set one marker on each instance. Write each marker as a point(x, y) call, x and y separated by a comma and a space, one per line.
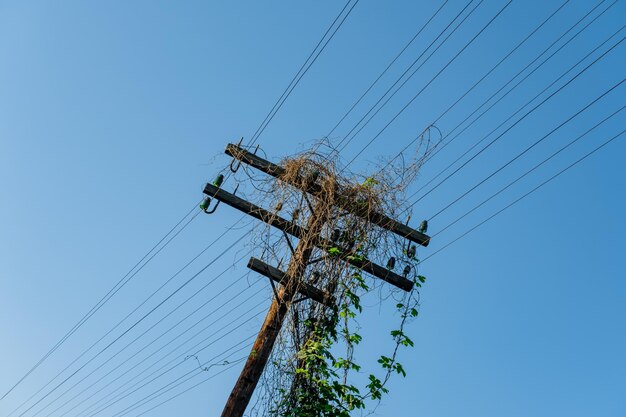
point(114, 114)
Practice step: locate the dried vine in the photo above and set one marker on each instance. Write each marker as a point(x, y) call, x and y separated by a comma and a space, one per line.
point(312, 370)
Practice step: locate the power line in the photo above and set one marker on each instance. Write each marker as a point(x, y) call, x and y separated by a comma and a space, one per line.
point(432, 79)
point(524, 196)
point(228, 366)
point(527, 149)
point(244, 322)
point(177, 337)
point(567, 42)
point(513, 88)
point(128, 315)
point(204, 367)
point(110, 331)
point(132, 326)
point(516, 123)
point(406, 71)
point(189, 388)
point(511, 52)
point(393, 61)
point(302, 71)
point(534, 168)
point(204, 287)
point(114, 395)
point(138, 384)
point(101, 302)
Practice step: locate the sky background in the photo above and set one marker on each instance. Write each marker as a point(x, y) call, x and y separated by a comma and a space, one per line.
point(114, 114)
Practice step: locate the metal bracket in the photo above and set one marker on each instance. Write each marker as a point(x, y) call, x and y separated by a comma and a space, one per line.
point(408, 242)
point(278, 300)
point(206, 203)
point(293, 251)
point(321, 258)
point(235, 169)
point(300, 300)
point(308, 202)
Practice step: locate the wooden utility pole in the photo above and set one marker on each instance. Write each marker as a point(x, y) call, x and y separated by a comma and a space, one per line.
point(264, 343)
point(292, 280)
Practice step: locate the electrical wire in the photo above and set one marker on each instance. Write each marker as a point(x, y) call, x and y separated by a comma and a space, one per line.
point(445, 143)
point(177, 337)
point(527, 149)
point(187, 389)
point(558, 90)
point(534, 168)
point(203, 288)
point(119, 323)
point(567, 42)
point(432, 79)
point(127, 277)
point(406, 71)
point(132, 326)
point(524, 196)
point(491, 70)
point(244, 322)
point(228, 366)
point(393, 61)
point(302, 71)
point(138, 385)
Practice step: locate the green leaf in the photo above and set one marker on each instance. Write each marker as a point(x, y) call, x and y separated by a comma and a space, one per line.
point(334, 251)
point(369, 182)
point(355, 338)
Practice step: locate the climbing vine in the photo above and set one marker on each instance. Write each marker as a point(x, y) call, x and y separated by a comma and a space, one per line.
point(315, 368)
point(321, 384)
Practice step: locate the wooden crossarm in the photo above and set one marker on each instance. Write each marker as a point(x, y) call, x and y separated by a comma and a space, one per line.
point(379, 219)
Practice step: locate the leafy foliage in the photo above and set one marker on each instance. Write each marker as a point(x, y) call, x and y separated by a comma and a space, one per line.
point(321, 385)
point(315, 368)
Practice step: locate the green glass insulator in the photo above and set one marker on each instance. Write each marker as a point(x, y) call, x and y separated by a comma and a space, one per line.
point(205, 204)
point(219, 180)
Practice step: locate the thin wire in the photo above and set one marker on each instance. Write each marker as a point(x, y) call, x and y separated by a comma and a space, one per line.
point(300, 70)
point(513, 88)
point(527, 75)
point(527, 149)
point(436, 75)
point(511, 52)
point(393, 61)
point(181, 362)
point(134, 325)
point(296, 79)
point(229, 366)
point(523, 196)
point(129, 314)
point(204, 287)
point(136, 387)
point(188, 389)
point(211, 313)
point(406, 71)
point(534, 168)
point(516, 123)
point(127, 391)
point(97, 306)
point(186, 377)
